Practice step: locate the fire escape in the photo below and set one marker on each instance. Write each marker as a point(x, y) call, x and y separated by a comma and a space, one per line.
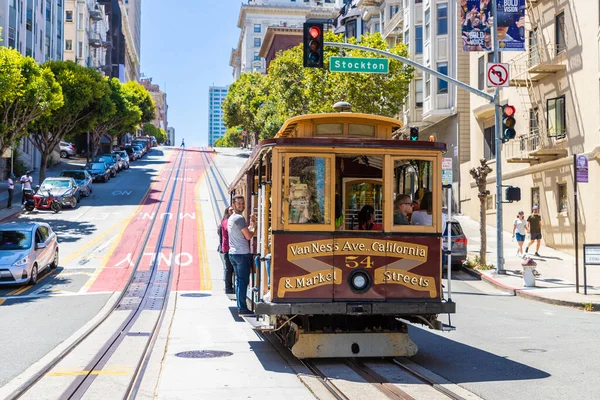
point(542, 142)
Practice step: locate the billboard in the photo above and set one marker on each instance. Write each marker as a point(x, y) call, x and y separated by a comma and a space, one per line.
point(477, 23)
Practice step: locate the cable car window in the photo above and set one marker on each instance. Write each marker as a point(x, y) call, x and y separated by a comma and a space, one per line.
point(361, 130)
point(330, 129)
point(414, 197)
point(309, 190)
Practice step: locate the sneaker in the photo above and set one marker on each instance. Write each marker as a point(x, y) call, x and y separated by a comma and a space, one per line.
point(526, 250)
point(537, 254)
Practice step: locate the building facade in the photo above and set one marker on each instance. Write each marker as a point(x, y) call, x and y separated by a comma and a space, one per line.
point(131, 14)
point(160, 101)
point(86, 33)
point(257, 15)
point(555, 89)
point(171, 135)
point(115, 56)
point(216, 126)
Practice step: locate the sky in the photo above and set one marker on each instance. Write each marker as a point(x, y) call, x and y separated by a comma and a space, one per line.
point(186, 45)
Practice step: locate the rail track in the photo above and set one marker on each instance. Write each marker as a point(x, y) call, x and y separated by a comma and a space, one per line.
point(146, 290)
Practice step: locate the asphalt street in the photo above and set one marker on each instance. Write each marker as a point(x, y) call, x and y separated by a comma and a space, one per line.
point(36, 319)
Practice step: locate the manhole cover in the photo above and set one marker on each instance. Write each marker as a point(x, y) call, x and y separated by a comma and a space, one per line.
point(204, 354)
point(195, 295)
point(534, 350)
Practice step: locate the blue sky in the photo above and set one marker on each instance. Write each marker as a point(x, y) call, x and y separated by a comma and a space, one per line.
point(186, 45)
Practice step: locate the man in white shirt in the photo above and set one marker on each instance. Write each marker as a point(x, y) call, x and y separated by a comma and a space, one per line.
point(26, 182)
point(11, 189)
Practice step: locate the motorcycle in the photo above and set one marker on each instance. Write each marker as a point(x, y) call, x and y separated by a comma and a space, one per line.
point(28, 200)
point(46, 201)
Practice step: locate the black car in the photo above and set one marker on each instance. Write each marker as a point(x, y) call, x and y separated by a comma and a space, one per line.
point(99, 171)
point(108, 160)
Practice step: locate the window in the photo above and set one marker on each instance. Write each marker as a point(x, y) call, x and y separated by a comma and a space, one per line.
point(534, 122)
point(535, 197)
point(256, 57)
point(48, 10)
point(29, 19)
point(308, 191)
point(69, 16)
point(256, 42)
point(407, 37)
point(534, 52)
point(427, 25)
point(427, 85)
point(414, 180)
point(442, 19)
point(257, 28)
point(68, 44)
point(489, 149)
point(555, 117)
point(559, 33)
point(79, 49)
point(561, 196)
point(419, 92)
point(419, 39)
point(442, 85)
point(480, 73)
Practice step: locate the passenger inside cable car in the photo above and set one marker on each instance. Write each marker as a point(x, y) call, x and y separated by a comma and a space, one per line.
point(366, 219)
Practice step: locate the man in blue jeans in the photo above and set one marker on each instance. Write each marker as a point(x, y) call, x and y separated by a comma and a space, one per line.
point(239, 251)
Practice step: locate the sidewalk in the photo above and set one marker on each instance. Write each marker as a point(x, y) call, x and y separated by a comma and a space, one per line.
point(6, 214)
point(556, 282)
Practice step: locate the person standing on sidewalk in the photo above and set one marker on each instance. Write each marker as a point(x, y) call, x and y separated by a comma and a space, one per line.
point(224, 251)
point(239, 251)
point(11, 190)
point(519, 229)
point(26, 183)
point(534, 227)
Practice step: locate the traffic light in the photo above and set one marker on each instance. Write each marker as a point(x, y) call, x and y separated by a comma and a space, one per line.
point(508, 123)
point(313, 45)
point(414, 133)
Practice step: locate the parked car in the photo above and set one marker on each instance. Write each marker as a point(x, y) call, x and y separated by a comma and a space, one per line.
point(117, 160)
point(64, 190)
point(108, 160)
point(143, 143)
point(99, 171)
point(26, 249)
point(131, 152)
point(459, 245)
point(138, 150)
point(82, 178)
point(124, 157)
point(66, 149)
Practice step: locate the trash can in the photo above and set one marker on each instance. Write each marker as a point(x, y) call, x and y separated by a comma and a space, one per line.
point(528, 272)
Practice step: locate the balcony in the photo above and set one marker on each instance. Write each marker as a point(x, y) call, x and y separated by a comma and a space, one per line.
point(368, 3)
point(535, 148)
point(94, 39)
point(537, 63)
point(393, 26)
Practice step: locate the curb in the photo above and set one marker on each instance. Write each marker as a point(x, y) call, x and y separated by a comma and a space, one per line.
point(526, 295)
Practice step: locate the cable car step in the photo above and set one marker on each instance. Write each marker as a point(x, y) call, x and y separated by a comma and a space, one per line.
point(261, 324)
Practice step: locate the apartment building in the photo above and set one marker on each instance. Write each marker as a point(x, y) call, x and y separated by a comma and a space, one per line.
point(131, 14)
point(171, 135)
point(115, 56)
point(433, 106)
point(555, 88)
point(216, 126)
point(86, 34)
point(160, 101)
point(257, 15)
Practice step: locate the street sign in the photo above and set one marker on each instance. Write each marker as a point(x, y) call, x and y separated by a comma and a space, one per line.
point(446, 171)
point(356, 64)
point(591, 254)
point(581, 168)
point(497, 75)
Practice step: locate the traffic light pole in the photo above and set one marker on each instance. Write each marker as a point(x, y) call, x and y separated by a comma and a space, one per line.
point(498, 134)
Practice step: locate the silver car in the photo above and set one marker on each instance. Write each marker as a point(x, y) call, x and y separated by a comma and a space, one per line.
point(26, 249)
point(66, 149)
point(459, 245)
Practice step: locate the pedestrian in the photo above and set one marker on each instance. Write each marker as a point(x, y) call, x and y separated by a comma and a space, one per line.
point(519, 230)
point(224, 251)
point(26, 183)
point(402, 207)
point(534, 227)
point(240, 234)
point(11, 189)
point(183, 143)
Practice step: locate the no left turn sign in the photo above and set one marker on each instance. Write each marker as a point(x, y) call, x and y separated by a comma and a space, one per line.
point(497, 75)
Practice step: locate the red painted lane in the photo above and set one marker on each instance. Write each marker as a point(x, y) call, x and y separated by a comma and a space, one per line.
point(187, 273)
point(119, 267)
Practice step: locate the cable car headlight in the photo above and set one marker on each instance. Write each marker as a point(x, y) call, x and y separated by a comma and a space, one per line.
point(360, 281)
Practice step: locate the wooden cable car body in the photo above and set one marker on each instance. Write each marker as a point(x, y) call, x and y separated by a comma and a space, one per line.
point(334, 289)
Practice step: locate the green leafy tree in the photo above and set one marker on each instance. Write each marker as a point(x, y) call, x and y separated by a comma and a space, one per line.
point(124, 116)
point(27, 92)
point(262, 103)
point(141, 98)
point(151, 130)
point(162, 136)
point(231, 138)
point(85, 98)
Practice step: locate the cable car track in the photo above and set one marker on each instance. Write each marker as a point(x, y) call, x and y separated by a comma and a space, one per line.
point(81, 384)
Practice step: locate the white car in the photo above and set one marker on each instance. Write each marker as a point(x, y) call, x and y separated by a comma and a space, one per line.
point(26, 249)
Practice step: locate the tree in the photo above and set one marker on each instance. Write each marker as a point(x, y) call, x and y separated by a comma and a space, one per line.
point(480, 175)
point(125, 115)
point(141, 98)
point(231, 138)
point(27, 92)
point(85, 98)
point(245, 98)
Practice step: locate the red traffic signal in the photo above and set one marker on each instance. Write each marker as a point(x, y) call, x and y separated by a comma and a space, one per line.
point(508, 111)
point(314, 32)
point(313, 45)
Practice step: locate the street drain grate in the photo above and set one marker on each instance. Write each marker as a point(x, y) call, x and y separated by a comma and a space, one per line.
point(204, 354)
point(195, 295)
point(534, 350)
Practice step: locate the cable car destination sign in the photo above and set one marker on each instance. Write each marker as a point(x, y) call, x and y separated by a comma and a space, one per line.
point(359, 64)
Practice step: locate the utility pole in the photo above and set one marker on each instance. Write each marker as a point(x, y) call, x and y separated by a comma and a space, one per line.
point(498, 134)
